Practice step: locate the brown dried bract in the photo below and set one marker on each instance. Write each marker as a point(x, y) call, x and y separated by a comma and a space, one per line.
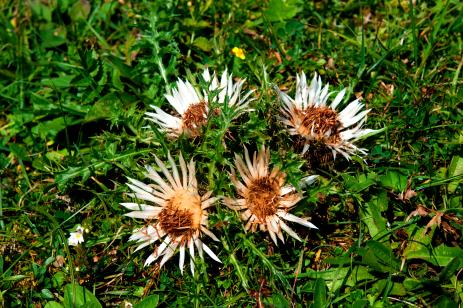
point(182, 214)
point(263, 196)
point(175, 222)
point(319, 122)
point(194, 118)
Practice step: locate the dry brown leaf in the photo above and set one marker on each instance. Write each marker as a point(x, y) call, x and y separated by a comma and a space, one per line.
point(436, 220)
point(420, 211)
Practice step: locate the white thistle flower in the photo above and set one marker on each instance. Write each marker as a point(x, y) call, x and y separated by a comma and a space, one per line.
point(193, 106)
point(309, 116)
point(265, 200)
point(178, 216)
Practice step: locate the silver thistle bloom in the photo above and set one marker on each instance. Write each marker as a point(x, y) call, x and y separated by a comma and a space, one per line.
point(178, 217)
point(193, 106)
point(309, 116)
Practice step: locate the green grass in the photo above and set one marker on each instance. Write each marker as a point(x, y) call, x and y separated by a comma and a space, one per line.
point(76, 78)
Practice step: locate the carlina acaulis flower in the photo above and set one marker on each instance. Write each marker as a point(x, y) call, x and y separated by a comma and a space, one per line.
point(264, 200)
point(309, 117)
point(193, 105)
point(178, 215)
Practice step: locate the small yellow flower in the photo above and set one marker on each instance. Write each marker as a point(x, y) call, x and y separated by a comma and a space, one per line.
point(239, 53)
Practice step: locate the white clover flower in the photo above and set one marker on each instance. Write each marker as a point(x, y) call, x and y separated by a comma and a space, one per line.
point(75, 238)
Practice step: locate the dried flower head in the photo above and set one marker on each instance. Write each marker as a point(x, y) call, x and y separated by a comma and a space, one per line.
point(178, 217)
point(265, 200)
point(193, 106)
point(308, 116)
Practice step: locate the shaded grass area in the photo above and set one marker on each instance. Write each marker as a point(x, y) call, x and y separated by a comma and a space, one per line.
point(77, 77)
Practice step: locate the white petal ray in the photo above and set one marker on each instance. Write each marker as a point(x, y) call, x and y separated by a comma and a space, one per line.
point(141, 185)
point(150, 259)
point(338, 99)
point(175, 102)
point(184, 171)
point(168, 253)
point(143, 196)
point(192, 175)
point(286, 190)
point(148, 214)
point(209, 233)
point(199, 246)
point(138, 206)
point(166, 172)
point(251, 169)
point(289, 230)
point(174, 171)
point(210, 253)
point(208, 203)
point(273, 237)
point(294, 218)
point(181, 261)
point(153, 175)
point(192, 255)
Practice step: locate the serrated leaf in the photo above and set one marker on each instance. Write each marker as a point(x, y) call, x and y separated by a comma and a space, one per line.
point(53, 37)
point(360, 182)
point(412, 283)
point(58, 279)
point(239, 271)
point(41, 10)
point(276, 300)
point(14, 278)
point(19, 151)
point(418, 239)
point(119, 65)
point(57, 156)
point(58, 82)
point(360, 303)
point(190, 22)
point(84, 172)
point(49, 129)
point(107, 107)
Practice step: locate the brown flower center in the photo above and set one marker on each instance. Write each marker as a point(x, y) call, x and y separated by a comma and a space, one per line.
point(315, 122)
point(194, 118)
point(263, 197)
point(182, 214)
